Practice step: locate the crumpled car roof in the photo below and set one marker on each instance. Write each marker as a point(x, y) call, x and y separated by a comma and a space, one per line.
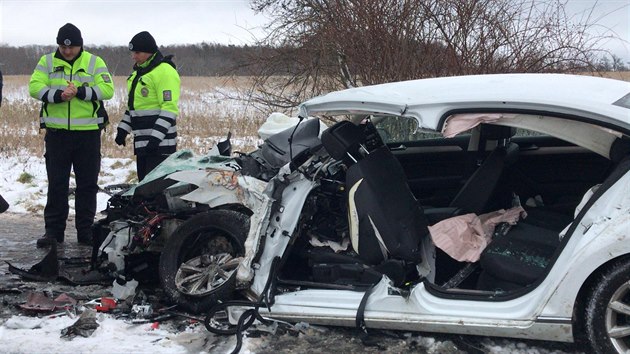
point(602, 100)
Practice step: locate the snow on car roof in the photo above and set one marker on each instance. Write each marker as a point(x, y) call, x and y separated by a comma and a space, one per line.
point(599, 100)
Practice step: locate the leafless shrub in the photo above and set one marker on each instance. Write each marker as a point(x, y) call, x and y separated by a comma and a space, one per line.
point(316, 46)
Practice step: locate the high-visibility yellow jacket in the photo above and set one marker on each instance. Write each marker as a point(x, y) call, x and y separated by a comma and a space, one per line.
point(153, 101)
point(85, 111)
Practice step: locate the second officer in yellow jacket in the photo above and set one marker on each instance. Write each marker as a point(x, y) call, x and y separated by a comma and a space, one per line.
point(154, 88)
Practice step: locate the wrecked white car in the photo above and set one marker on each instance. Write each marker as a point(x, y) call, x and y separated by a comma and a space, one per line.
point(492, 205)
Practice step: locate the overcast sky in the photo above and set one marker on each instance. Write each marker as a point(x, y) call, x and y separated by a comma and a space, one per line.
point(612, 17)
point(114, 22)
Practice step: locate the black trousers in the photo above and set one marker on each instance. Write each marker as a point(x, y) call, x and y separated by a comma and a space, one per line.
point(66, 151)
point(146, 163)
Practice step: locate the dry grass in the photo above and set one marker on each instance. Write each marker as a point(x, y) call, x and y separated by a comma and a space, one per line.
point(617, 75)
point(206, 116)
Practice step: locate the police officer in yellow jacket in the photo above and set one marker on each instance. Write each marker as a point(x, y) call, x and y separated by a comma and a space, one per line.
point(71, 83)
point(154, 89)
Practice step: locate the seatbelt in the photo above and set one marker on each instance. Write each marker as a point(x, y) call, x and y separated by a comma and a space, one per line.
point(360, 318)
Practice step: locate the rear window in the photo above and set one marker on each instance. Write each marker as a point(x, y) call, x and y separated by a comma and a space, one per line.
point(623, 101)
point(402, 130)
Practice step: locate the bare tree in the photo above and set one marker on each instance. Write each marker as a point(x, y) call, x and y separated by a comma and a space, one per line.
point(315, 46)
point(617, 63)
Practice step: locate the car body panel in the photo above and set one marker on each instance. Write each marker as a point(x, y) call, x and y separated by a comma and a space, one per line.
point(178, 161)
point(600, 237)
point(280, 228)
point(421, 311)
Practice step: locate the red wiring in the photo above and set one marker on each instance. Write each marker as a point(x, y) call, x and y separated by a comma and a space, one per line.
point(151, 225)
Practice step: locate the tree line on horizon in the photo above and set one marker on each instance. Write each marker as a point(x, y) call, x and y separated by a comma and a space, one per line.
point(191, 59)
point(198, 59)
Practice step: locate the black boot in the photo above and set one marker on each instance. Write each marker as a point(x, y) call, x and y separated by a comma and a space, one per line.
point(3, 205)
point(48, 240)
point(85, 237)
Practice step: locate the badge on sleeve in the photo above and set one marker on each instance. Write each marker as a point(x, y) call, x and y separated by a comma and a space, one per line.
point(166, 95)
point(106, 78)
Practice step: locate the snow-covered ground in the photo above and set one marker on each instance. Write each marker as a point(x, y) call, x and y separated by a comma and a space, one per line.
point(38, 335)
point(23, 182)
point(22, 334)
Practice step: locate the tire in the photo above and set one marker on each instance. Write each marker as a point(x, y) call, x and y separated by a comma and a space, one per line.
point(203, 251)
point(608, 310)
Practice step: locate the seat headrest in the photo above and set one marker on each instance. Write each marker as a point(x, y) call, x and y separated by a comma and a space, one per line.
point(619, 149)
point(343, 138)
point(512, 151)
point(496, 132)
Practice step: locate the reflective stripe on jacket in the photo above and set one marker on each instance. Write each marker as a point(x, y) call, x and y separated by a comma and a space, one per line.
point(85, 111)
point(153, 106)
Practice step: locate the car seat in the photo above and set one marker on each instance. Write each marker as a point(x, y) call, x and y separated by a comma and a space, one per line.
point(478, 191)
point(385, 219)
point(525, 254)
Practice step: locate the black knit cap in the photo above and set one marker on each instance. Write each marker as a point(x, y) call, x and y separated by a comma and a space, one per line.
point(70, 35)
point(143, 42)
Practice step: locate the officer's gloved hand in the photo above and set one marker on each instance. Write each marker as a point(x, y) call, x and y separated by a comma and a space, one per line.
point(120, 137)
point(153, 144)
